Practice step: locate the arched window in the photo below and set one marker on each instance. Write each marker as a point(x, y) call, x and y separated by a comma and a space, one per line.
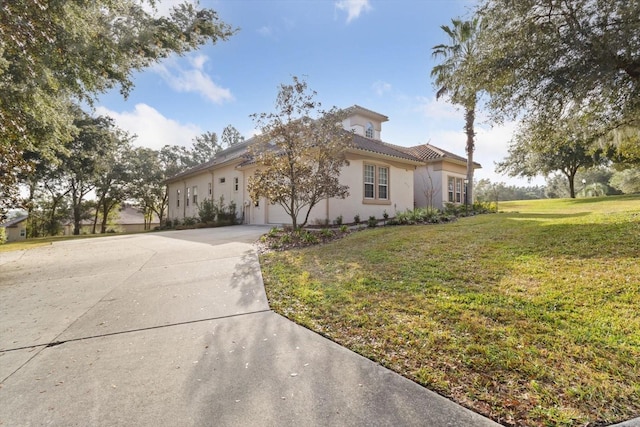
point(369, 130)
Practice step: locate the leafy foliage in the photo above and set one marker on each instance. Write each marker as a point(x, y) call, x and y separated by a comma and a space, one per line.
point(299, 157)
point(231, 136)
point(542, 148)
point(456, 77)
point(54, 52)
point(546, 59)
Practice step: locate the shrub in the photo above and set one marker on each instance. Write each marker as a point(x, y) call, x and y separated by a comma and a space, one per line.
point(308, 237)
point(190, 221)
point(207, 211)
point(273, 232)
point(356, 219)
point(484, 207)
point(338, 220)
point(326, 233)
point(344, 228)
point(372, 221)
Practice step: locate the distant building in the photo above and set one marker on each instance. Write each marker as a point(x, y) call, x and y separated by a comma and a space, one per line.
point(16, 229)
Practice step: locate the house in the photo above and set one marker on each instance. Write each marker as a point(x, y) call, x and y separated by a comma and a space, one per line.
point(129, 220)
point(382, 177)
point(15, 229)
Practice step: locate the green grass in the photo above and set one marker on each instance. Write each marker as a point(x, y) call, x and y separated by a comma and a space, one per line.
point(530, 316)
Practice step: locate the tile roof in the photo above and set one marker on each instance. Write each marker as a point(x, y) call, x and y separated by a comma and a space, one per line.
point(416, 154)
point(380, 147)
point(13, 222)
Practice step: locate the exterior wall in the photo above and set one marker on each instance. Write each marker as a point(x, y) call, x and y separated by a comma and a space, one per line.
point(358, 123)
point(17, 232)
point(400, 191)
point(222, 183)
point(400, 197)
point(187, 207)
point(429, 187)
point(433, 178)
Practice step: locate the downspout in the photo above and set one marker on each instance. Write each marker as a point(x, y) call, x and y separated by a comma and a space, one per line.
point(184, 201)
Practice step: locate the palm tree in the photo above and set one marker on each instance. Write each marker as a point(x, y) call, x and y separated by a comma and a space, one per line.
point(455, 77)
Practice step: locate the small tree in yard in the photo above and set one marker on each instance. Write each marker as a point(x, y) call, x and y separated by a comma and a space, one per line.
point(299, 158)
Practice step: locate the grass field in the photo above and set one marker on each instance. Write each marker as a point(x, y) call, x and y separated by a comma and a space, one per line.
point(530, 316)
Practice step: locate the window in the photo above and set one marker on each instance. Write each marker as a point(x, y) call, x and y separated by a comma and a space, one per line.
point(178, 198)
point(222, 180)
point(456, 189)
point(236, 183)
point(369, 130)
point(369, 181)
point(383, 183)
point(23, 232)
point(188, 196)
point(210, 189)
point(376, 182)
point(195, 194)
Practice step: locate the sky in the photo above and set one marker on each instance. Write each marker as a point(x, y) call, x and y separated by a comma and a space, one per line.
point(374, 53)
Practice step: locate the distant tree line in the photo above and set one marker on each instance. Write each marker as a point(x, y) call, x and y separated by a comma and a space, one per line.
point(99, 170)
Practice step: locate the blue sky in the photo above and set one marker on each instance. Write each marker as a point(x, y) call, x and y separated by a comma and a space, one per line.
point(374, 53)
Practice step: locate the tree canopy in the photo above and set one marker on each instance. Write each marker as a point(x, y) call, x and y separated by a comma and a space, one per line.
point(300, 153)
point(55, 53)
point(566, 146)
point(550, 58)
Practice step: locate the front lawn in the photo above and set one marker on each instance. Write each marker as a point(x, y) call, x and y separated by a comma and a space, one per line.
point(530, 316)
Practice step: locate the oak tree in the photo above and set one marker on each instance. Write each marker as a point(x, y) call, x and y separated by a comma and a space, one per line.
point(299, 154)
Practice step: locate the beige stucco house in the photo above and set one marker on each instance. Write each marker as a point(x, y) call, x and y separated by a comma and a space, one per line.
point(382, 177)
point(15, 229)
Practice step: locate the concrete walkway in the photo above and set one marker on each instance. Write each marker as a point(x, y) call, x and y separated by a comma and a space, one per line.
point(174, 329)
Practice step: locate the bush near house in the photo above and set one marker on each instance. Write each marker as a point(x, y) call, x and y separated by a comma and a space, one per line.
point(529, 316)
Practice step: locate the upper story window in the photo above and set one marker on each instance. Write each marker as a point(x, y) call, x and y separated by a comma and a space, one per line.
point(210, 189)
point(222, 180)
point(188, 196)
point(369, 132)
point(178, 198)
point(236, 183)
point(195, 194)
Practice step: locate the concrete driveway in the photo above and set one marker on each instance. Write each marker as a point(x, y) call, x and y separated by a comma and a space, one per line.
point(174, 329)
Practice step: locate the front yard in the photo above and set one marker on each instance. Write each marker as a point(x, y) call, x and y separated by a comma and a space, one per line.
point(530, 316)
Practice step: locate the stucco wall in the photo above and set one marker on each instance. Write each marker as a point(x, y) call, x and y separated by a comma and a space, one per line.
point(436, 175)
point(17, 232)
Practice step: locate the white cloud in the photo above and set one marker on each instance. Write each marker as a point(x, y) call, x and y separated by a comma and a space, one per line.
point(353, 7)
point(380, 87)
point(492, 146)
point(433, 109)
point(152, 128)
point(193, 79)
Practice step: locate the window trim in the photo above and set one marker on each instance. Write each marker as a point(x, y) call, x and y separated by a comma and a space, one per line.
point(195, 194)
point(456, 190)
point(179, 196)
point(188, 196)
point(376, 199)
point(369, 130)
point(236, 183)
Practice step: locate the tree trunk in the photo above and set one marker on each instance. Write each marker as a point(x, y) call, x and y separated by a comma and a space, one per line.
point(470, 116)
point(572, 188)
